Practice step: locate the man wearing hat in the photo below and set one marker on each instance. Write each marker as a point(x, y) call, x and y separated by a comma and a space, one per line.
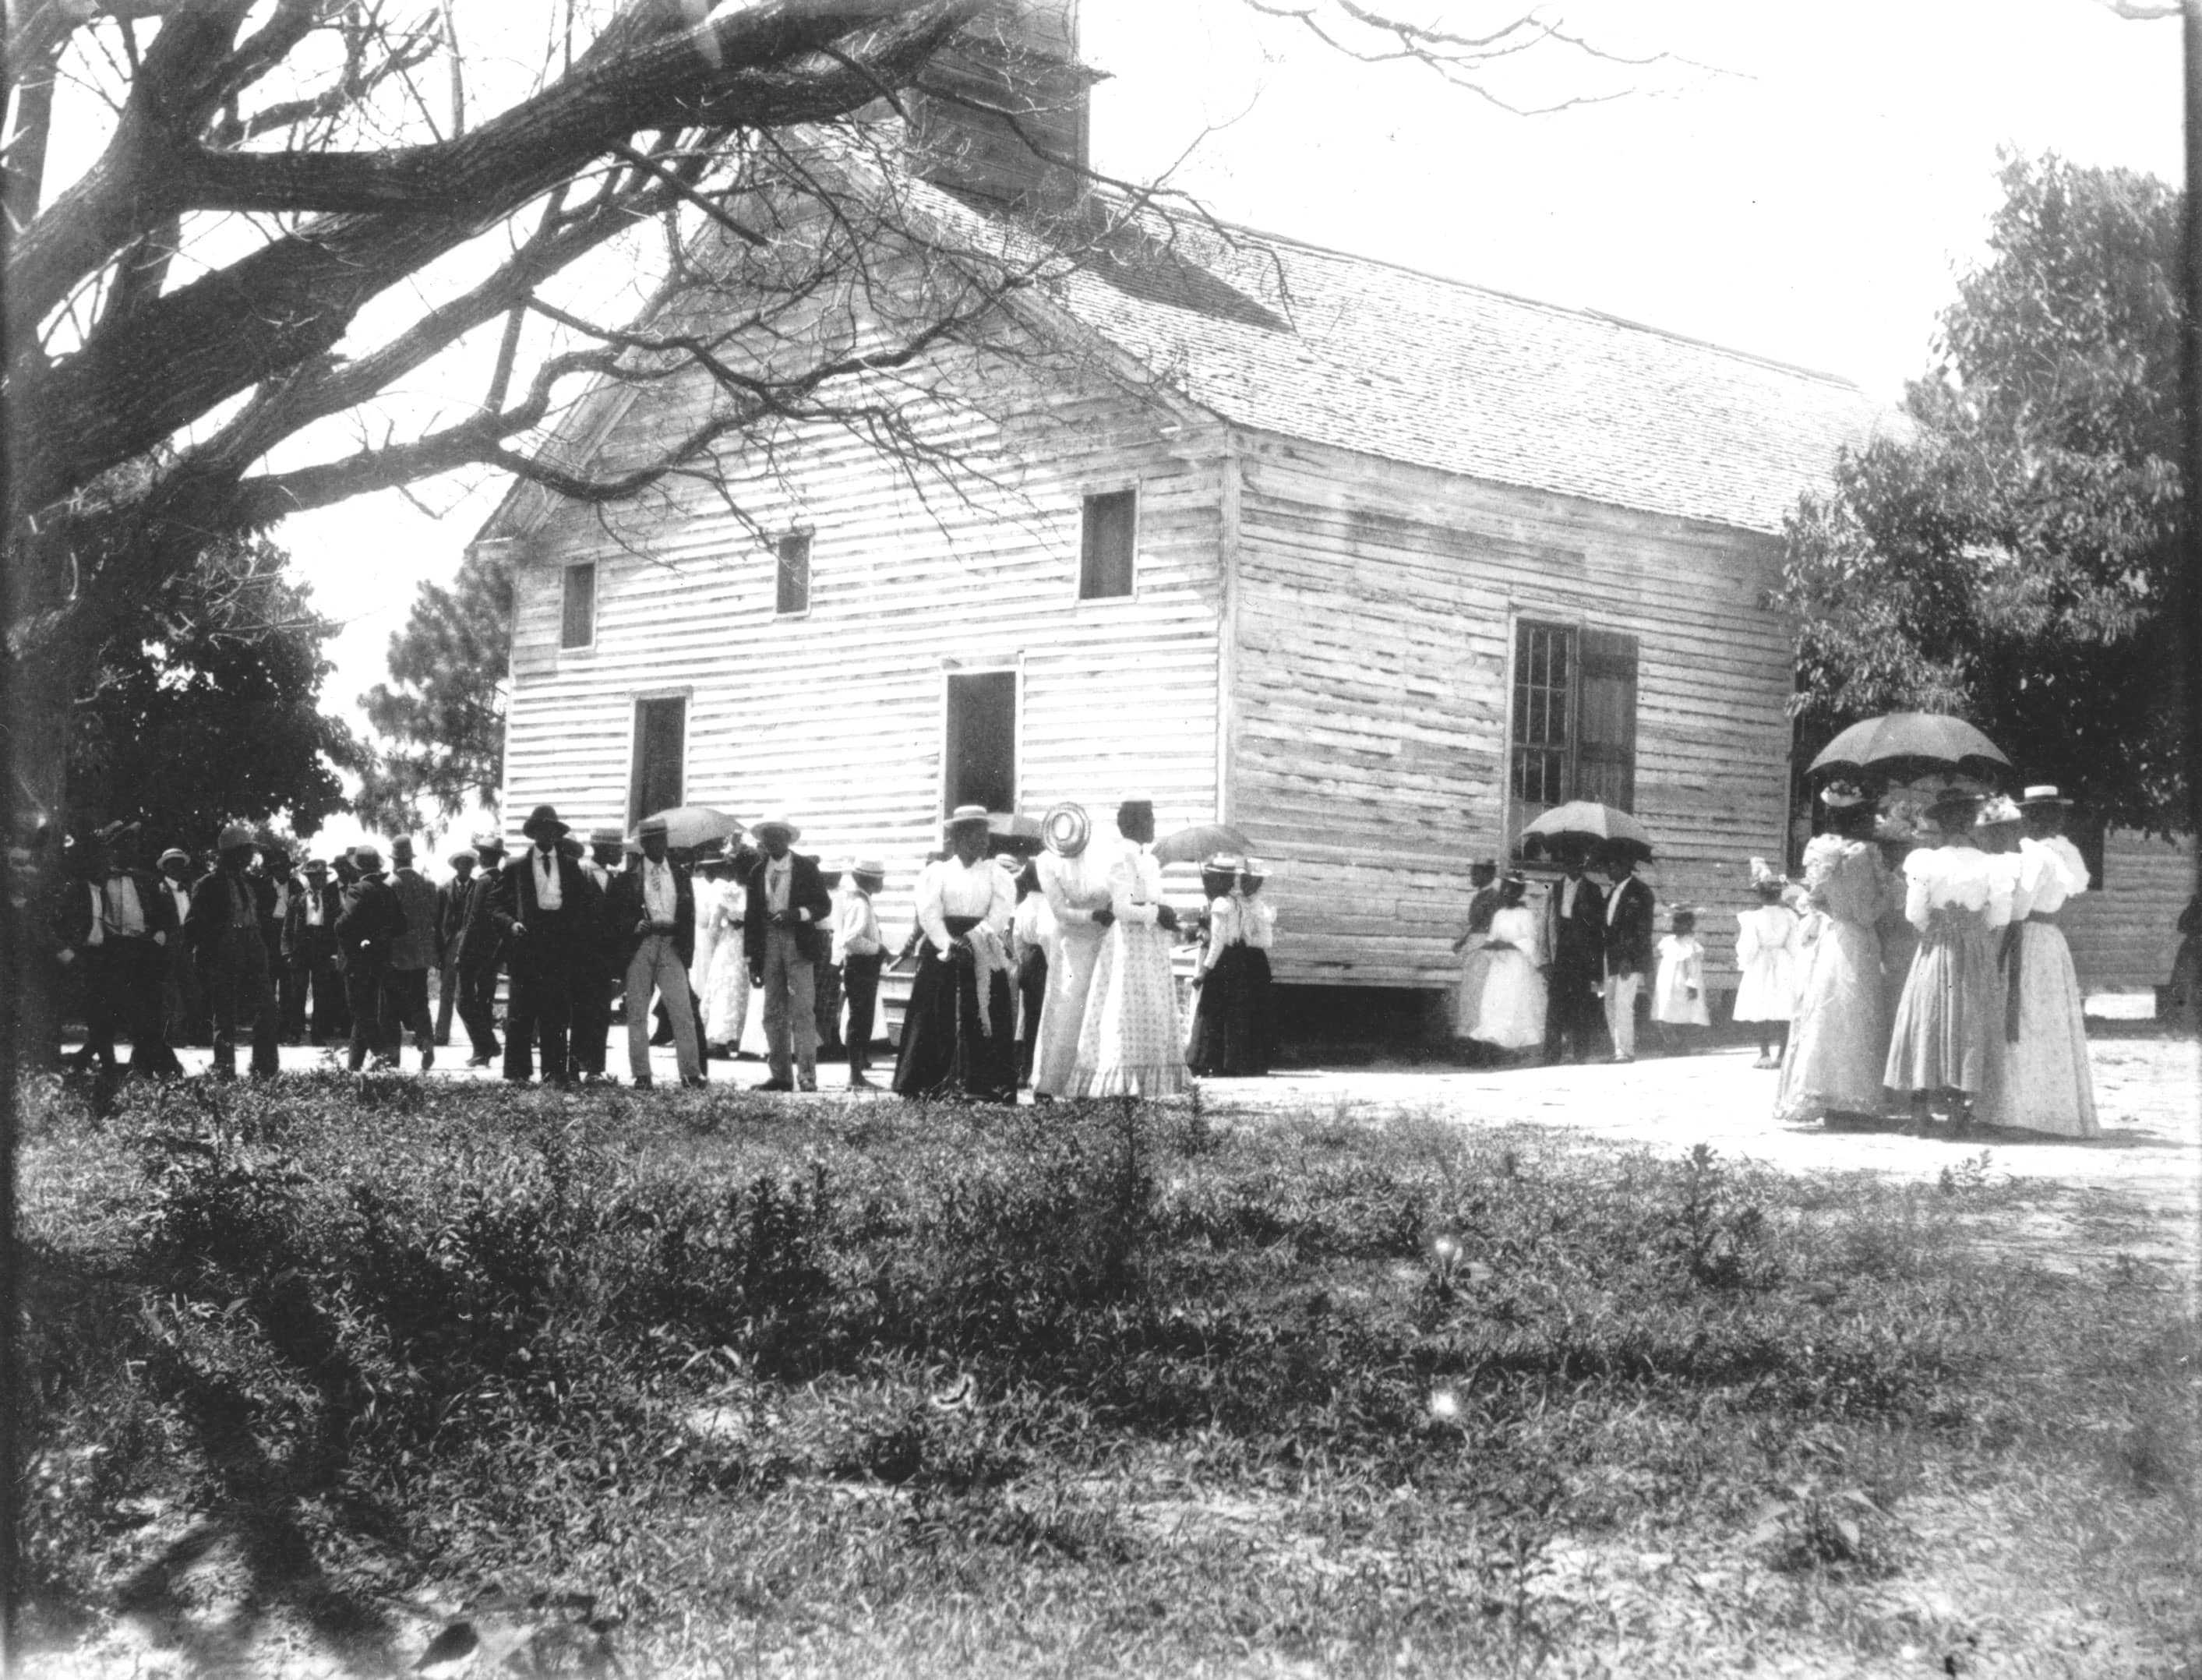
point(482, 949)
point(600, 965)
point(312, 937)
point(653, 906)
point(224, 931)
point(134, 923)
point(183, 999)
point(1575, 973)
point(783, 937)
point(451, 927)
point(277, 869)
point(368, 929)
point(547, 909)
point(411, 954)
point(860, 951)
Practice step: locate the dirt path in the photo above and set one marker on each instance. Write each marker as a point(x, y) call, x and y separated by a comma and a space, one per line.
point(2136, 1189)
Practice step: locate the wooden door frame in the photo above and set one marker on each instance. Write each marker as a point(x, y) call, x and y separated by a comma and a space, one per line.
point(1013, 664)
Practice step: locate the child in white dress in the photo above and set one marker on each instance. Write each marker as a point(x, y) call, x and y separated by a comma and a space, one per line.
point(1678, 994)
point(1766, 943)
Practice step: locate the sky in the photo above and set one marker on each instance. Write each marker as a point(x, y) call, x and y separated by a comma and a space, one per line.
point(1804, 182)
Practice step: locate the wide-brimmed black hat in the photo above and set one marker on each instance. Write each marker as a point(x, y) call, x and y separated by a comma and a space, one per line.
point(543, 820)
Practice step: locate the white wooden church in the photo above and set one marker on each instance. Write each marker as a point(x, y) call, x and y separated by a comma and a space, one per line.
point(1373, 565)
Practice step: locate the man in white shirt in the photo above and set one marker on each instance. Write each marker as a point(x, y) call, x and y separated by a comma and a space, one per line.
point(183, 998)
point(858, 948)
point(653, 906)
point(783, 937)
point(545, 906)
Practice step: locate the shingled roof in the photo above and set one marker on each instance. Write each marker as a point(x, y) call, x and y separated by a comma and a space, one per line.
point(1292, 339)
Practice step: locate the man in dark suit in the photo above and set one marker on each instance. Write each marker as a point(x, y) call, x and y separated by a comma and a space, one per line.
point(126, 921)
point(450, 925)
point(784, 935)
point(368, 931)
point(601, 965)
point(1630, 911)
point(653, 906)
point(285, 886)
point(311, 938)
point(224, 929)
point(481, 950)
point(1574, 977)
point(183, 999)
point(405, 986)
point(546, 907)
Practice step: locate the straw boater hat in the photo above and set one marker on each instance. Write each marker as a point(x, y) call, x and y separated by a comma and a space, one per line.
point(174, 854)
point(618, 837)
point(963, 815)
point(773, 820)
point(869, 868)
point(454, 859)
point(1066, 829)
point(2042, 793)
point(543, 820)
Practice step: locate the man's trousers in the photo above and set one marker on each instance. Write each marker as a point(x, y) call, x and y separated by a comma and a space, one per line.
point(657, 965)
point(860, 979)
point(540, 1005)
point(405, 1009)
point(1620, 990)
point(478, 1006)
point(241, 992)
point(790, 1011)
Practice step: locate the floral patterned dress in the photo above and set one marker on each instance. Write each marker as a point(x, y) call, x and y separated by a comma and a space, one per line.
point(1130, 1044)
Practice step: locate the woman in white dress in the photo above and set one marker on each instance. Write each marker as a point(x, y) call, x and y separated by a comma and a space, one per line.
point(726, 980)
point(1838, 1046)
point(1130, 1044)
point(2050, 1086)
point(1766, 944)
point(1510, 1012)
point(1947, 1043)
point(1073, 877)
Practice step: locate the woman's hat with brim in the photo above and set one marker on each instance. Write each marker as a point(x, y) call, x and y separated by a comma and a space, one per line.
point(489, 842)
point(543, 820)
point(1997, 812)
point(776, 821)
point(1066, 829)
point(1222, 862)
point(1954, 807)
point(2042, 793)
point(964, 816)
point(1842, 795)
point(1763, 873)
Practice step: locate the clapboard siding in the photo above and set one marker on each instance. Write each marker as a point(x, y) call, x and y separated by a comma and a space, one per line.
point(2125, 933)
point(1368, 729)
point(837, 714)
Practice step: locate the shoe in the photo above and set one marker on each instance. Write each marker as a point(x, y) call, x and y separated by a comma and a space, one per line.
point(479, 1061)
point(695, 1082)
point(776, 1085)
point(642, 1081)
point(858, 1083)
point(427, 1057)
point(806, 1084)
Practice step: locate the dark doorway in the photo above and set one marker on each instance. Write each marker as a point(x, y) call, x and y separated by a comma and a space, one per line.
point(982, 741)
point(660, 746)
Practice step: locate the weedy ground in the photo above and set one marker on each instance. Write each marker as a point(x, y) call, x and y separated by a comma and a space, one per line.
point(706, 1385)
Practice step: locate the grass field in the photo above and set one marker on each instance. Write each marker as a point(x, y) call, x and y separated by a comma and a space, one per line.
point(708, 1384)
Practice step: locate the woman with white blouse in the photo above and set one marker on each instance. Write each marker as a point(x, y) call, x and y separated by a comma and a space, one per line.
point(959, 1031)
point(1233, 1032)
point(1947, 1043)
point(1074, 876)
point(1130, 1044)
point(2050, 1086)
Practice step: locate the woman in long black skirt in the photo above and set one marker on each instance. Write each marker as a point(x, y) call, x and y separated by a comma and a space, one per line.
point(1233, 1032)
point(959, 1038)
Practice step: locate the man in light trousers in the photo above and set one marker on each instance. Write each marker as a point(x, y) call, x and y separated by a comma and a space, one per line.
point(655, 903)
point(784, 933)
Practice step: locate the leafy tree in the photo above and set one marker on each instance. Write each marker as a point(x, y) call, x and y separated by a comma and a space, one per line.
point(2013, 556)
point(207, 708)
point(445, 715)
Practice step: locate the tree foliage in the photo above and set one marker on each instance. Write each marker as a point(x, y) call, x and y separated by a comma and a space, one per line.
point(2012, 556)
point(207, 710)
point(443, 718)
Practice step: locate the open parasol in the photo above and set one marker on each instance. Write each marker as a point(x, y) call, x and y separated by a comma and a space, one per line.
point(1203, 839)
point(1587, 822)
point(1905, 746)
point(689, 826)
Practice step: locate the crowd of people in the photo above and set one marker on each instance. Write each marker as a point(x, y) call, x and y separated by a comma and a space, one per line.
point(1916, 971)
point(1047, 963)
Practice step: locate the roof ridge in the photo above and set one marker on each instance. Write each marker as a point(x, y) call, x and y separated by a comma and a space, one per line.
point(1581, 312)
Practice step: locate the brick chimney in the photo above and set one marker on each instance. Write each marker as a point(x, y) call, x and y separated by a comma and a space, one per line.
point(1001, 113)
